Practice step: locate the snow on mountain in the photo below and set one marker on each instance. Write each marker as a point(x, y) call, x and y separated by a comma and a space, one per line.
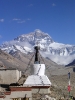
point(57, 52)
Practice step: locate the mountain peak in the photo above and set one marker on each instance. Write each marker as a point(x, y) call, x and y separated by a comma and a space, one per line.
point(35, 36)
point(37, 31)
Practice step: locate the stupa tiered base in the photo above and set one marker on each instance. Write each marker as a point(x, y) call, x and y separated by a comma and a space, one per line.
point(36, 80)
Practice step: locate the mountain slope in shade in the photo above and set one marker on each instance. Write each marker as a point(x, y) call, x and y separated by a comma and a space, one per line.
point(72, 63)
point(57, 52)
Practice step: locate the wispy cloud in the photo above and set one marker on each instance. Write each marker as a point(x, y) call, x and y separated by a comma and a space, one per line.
point(28, 19)
point(1, 20)
point(53, 4)
point(30, 5)
point(27, 44)
point(16, 19)
point(59, 59)
point(21, 21)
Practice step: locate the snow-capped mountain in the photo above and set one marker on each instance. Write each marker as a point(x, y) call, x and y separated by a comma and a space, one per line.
point(57, 52)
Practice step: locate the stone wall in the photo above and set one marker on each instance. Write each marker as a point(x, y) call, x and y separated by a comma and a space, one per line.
point(8, 76)
point(41, 90)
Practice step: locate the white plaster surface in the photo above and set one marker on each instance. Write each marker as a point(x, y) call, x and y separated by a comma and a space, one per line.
point(36, 80)
point(38, 77)
point(38, 69)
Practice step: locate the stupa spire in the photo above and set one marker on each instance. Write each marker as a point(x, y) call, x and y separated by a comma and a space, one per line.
point(37, 61)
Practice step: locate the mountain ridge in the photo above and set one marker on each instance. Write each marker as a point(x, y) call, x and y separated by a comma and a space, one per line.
point(25, 43)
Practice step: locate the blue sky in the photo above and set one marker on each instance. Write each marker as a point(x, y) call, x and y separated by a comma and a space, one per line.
point(55, 17)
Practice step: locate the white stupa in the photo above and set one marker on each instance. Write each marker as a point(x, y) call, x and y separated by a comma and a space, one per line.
point(38, 78)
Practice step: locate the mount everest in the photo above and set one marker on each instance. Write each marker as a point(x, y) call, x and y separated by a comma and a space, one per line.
point(62, 54)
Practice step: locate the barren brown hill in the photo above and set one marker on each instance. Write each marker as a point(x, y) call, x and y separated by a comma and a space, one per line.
point(8, 61)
